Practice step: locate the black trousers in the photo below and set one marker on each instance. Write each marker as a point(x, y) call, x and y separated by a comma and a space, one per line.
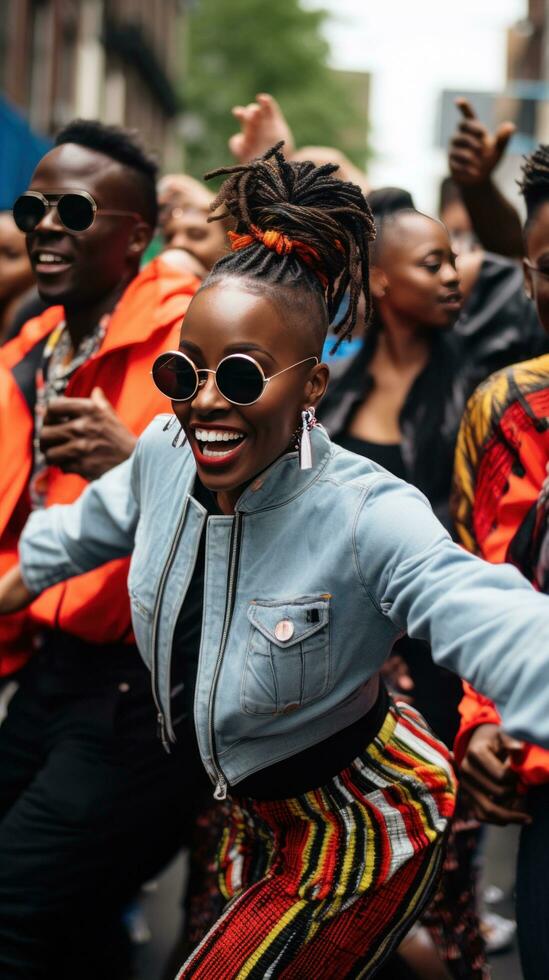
point(91, 806)
point(532, 892)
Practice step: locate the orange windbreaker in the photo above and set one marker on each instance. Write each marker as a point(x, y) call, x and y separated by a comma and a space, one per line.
point(501, 455)
point(147, 321)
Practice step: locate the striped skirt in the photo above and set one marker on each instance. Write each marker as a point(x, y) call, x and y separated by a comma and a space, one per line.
point(326, 884)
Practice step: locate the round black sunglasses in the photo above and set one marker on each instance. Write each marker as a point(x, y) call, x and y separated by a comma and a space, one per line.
point(238, 378)
point(76, 210)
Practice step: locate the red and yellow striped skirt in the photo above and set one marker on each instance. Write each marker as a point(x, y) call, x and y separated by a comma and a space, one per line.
point(326, 884)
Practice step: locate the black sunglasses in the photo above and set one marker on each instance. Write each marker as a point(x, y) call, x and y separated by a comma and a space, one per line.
point(76, 210)
point(238, 378)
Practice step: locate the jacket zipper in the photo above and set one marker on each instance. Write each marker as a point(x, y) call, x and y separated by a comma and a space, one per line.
point(220, 791)
point(161, 721)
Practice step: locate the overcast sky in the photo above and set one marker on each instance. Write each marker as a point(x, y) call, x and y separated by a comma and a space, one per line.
point(414, 49)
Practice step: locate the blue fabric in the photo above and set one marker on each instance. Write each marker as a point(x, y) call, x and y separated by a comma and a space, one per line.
point(344, 554)
point(347, 348)
point(20, 151)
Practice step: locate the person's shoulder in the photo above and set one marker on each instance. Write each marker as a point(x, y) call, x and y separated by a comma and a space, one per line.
point(360, 475)
point(384, 515)
point(168, 280)
point(33, 332)
point(505, 387)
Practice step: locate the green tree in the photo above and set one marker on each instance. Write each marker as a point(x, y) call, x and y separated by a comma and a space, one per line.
point(236, 48)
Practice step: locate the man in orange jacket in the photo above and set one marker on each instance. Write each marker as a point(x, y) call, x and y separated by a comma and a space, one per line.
point(90, 804)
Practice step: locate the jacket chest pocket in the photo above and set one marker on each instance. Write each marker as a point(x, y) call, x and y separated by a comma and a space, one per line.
point(288, 655)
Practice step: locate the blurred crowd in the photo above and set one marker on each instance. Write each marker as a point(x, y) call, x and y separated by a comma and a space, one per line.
point(446, 386)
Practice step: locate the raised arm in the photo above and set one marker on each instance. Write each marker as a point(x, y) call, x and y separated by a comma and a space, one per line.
point(473, 155)
point(485, 622)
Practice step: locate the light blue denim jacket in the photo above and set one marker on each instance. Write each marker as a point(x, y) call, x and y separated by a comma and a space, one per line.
point(306, 589)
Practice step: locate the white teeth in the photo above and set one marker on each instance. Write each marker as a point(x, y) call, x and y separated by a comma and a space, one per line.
point(208, 436)
point(217, 435)
point(212, 452)
point(50, 258)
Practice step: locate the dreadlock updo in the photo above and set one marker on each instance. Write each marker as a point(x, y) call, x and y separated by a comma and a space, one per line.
point(328, 221)
point(534, 185)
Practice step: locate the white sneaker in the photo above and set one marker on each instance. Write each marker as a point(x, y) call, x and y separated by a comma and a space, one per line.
point(498, 933)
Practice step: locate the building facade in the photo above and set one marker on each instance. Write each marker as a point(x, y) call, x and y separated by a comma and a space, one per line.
point(115, 60)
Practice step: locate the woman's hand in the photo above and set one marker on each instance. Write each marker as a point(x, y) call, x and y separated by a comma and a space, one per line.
point(488, 779)
point(14, 594)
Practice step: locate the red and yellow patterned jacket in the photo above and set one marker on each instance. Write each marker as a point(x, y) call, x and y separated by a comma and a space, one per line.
point(500, 465)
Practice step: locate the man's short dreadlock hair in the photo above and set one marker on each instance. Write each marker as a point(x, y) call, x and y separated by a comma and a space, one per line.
point(307, 204)
point(534, 185)
point(122, 145)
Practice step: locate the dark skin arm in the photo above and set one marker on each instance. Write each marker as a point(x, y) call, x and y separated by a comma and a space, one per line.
point(14, 594)
point(85, 436)
point(473, 155)
point(487, 778)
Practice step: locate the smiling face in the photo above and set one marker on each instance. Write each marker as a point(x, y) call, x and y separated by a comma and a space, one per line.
point(184, 211)
point(414, 277)
point(80, 269)
point(537, 246)
point(233, 443)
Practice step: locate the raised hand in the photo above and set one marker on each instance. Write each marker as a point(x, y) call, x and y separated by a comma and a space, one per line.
point(488, 779)
point(474, 152)
point(262, 124)
point(85, 436)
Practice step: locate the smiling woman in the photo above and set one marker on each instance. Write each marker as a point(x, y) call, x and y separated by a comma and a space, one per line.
point(301, 577)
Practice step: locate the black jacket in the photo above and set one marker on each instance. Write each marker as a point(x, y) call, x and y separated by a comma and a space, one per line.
point(497, 327)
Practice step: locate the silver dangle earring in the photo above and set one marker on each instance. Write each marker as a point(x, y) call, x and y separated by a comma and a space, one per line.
point(308, 422)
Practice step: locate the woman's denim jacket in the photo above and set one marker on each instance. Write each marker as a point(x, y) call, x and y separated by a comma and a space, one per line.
point(306, 588)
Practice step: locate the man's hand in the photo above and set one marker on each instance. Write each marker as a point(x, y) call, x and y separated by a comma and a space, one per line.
point(474, 153)
point(262, 124)
point(85, 436)
point(14, 594)
point(487, 778)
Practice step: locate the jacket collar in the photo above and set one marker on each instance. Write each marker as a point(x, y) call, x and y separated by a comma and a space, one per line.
point(284, 480)
point(156, 297)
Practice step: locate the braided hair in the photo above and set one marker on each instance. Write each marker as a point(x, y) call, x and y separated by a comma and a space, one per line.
point(534, 185)
point(298, 228)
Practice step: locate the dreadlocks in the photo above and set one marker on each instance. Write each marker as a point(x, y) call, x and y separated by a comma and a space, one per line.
point(534, 186)
point(297, 226)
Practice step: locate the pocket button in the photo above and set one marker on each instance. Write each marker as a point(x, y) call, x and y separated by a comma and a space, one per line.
point(284, 630)
point(293, 706)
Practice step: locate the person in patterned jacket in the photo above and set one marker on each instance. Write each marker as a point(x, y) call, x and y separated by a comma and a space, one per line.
point(500, 514)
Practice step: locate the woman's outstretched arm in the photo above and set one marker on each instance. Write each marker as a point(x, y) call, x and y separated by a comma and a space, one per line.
point(485, 622)
point(62, 541)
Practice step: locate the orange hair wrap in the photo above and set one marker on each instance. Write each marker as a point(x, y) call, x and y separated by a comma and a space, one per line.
point(277, 242)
